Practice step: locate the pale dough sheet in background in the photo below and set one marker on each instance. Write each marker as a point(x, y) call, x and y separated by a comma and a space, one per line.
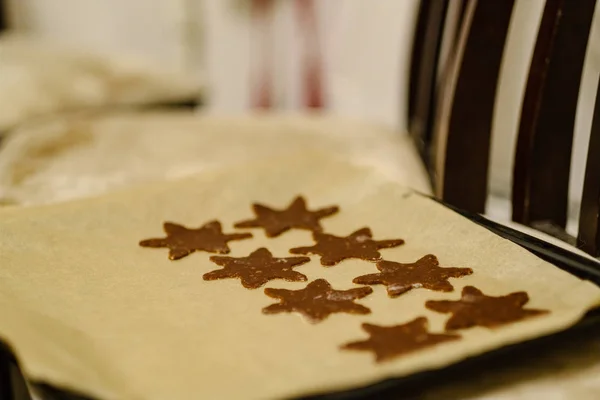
point(86, 155)
point(87, 308)
point(40, 78)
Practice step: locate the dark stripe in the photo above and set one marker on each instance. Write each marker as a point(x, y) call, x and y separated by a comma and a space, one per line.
point(589, 218)
point(543, 155)
point(465, 168)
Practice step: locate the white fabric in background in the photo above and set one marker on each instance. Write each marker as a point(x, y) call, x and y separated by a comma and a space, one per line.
point(153, 30)
point(366, 47)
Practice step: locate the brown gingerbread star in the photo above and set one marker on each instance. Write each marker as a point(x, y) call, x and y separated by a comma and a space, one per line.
point(182, 241)
point(359, 244)
point(257, 269)
point(425, 273)
point(275, 222)
point(476, 309)
point(318, 300)
point(388, 342)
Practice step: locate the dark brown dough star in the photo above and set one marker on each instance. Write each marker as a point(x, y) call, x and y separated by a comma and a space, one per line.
point(275, 222)
point(257, 269)
point(359, 244)
point(425, 273)
point(182, 241)
point(388, 342)
point(476, 309)
point(318, 300)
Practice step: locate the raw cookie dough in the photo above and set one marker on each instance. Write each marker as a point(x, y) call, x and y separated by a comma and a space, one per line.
point(86, 155)
point(86, 307)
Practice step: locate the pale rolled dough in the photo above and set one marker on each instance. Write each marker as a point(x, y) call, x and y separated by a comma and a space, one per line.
point(85, 307)
point(86, 155)
point(39, 78)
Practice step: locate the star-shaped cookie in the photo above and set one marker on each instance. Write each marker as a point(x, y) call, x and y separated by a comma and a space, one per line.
point(476, 309)
point(275, 222)
point(425, 273)
point(318, 300)
point(388, 342)
point(359, 244)
point(257, 269)
point(182, 241)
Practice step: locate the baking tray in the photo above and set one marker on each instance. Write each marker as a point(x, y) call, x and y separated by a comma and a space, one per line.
point(12, 384)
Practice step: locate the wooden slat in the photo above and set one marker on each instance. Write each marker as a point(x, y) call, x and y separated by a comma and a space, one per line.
point(416, 55)
point(452, 26)
point(543, 155)
point(589, 218)
point(426, 51)
point(463, 146)
point(6, 391)
point(461, 16)
point(3, 16)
